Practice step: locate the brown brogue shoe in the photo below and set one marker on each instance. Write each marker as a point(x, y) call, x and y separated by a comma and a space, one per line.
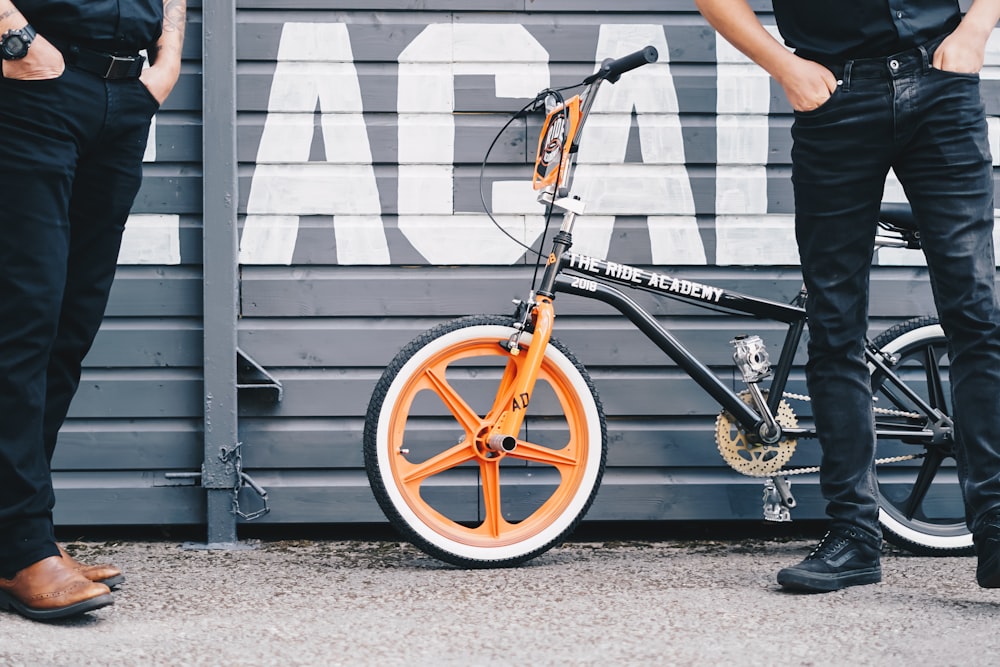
point(102, 573)
point(51, 589)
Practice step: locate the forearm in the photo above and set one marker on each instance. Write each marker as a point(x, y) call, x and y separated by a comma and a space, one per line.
point(10, 17)
point(964, 50)
point(806, 84)
point(736, 21)
point(167, 51)
point(165, 55)
point(982, 18)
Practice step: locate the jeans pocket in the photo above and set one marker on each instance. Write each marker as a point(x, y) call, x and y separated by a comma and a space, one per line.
point(972, 76)
point(148, 95)
point(822, 107)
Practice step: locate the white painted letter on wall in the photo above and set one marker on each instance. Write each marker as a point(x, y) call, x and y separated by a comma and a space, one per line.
point(315, 70)
point(745, 232)
point(426, 106)
point(659, 187)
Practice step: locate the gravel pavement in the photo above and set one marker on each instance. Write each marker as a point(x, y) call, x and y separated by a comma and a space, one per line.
point(603, 602)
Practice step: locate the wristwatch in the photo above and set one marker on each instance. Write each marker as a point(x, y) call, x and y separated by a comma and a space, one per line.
point(14, 43)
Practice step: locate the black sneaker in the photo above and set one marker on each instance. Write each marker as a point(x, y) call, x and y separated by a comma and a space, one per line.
point(988, 550)
point(843, 558)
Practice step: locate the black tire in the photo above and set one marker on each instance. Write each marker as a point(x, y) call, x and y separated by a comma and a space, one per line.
point(435, 478)
point(920, 501)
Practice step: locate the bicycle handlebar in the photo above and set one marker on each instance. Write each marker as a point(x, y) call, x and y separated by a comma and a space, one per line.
point(612, 69)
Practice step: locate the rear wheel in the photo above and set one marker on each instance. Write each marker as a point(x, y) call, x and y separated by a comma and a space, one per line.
point(436, 475)
point(921, 505)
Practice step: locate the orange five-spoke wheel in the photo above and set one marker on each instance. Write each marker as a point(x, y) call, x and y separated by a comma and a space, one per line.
point(448, 481)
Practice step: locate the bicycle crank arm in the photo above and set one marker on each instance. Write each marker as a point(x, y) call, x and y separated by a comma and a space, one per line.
point(778, 500)
point(784, 489)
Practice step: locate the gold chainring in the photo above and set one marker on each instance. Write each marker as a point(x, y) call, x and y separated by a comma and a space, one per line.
point(754, 459)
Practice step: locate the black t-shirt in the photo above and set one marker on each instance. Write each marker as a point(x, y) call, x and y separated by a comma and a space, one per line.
point(110, 25)
point(834, 30)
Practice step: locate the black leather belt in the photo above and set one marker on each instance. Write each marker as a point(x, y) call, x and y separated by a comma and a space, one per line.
point(104, 65)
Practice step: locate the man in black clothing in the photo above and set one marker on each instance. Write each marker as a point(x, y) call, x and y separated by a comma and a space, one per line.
point(77, 105)
point(874, 85)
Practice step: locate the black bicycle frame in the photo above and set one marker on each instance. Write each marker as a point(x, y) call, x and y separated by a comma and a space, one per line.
point(589, 277)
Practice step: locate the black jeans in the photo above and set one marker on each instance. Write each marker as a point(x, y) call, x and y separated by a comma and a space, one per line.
point(70, 167)
point(929, 127)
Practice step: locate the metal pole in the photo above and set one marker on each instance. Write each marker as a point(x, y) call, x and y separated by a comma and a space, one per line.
point(220, 235)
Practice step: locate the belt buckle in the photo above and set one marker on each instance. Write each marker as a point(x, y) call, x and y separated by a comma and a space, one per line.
point(119, 67)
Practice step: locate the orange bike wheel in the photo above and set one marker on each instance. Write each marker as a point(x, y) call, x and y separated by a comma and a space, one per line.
point(428, 459)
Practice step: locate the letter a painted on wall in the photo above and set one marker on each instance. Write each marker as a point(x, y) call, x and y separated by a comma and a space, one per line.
point(315, 70)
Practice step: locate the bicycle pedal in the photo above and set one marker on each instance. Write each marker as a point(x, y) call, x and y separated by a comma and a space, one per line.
point(776, 506)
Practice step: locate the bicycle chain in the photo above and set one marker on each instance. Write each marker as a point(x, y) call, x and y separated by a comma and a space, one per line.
point(878, 462)
point(803, 471)
point(733, 450)
point(880, 411)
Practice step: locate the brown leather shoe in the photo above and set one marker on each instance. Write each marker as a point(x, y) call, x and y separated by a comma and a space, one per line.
point(102, 573)
point(51, 589)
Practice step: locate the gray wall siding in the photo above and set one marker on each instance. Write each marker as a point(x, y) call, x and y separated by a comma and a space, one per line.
point(361, 128)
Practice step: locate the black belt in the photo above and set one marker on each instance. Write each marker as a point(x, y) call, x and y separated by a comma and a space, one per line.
point(104, 65)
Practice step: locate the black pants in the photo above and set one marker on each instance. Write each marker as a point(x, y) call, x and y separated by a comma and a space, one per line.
point(929, 127)
point(70, 167)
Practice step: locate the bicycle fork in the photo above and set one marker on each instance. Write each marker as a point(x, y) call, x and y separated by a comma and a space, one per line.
point(513, 402)
point(541, 311)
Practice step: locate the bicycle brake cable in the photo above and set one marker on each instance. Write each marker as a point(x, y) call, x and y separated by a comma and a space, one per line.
point(482, 171)
point(531, 106)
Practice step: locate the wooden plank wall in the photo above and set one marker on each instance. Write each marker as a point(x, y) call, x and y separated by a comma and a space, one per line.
point(362, 127)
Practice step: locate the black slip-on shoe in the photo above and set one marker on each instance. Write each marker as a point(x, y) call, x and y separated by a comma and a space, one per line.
point(988, 551)
point(843, 558)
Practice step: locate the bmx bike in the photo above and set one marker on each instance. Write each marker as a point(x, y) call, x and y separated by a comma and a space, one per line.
point(495, 410)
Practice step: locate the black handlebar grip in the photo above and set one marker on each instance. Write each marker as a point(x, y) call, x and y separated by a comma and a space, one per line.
point(613, 69)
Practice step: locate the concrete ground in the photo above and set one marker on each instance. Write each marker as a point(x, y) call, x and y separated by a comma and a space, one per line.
point(599, 600)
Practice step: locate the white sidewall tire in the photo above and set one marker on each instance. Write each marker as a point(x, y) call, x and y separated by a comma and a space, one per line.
point(580, 500)
point(955, 542)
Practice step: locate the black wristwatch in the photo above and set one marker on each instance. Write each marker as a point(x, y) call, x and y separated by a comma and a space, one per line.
point(14, 43)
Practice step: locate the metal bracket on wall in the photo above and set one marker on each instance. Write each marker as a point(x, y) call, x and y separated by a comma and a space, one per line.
point(252, 376)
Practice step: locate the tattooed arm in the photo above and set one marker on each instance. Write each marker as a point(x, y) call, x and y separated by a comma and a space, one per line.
point(10, 17)
point(165, 56)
